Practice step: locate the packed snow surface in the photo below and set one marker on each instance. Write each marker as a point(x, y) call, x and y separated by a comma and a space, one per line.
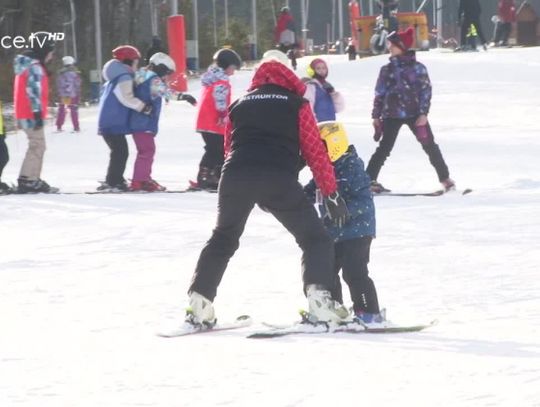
point(86, 281)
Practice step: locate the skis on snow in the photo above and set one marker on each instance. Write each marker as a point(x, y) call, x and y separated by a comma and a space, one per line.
point(432, 193)
point(189, 328)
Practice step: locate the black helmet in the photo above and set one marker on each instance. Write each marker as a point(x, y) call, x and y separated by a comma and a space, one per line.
point(41, 44)
point(226, 57)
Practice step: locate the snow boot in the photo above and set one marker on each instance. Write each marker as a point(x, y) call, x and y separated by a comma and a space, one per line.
point(378, 188)
point(115, 188)
point(207, 178)
point(26, 186)
point(148, 186)
point(370, 320)
point(200, 311)
point(322, 307)
point(449, 185)
point(4, 188)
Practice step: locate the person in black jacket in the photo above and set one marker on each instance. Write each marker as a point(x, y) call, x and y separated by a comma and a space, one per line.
point(4, 155)
point(268, 131)
point(469, 13)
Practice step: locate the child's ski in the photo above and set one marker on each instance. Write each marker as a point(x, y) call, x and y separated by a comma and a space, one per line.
point(191, 329)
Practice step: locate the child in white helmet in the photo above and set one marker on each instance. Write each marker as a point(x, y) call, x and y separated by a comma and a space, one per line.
point(151, 88)
point(68, 86)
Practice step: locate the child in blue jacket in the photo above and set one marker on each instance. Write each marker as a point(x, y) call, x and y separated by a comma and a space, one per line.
point(352, 240)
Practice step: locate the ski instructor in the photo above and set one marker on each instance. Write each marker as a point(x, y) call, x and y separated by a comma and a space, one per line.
point(268, 131)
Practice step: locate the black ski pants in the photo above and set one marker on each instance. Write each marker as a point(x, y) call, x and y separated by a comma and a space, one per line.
point(391, 129)
point(4, 154)
point(280, 194)
point(213, 151)
point(465, 25)
point(352, 258)
point(118, 158)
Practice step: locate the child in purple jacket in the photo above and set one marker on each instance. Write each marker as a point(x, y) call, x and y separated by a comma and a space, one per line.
point(403, 96)
point(68, 86)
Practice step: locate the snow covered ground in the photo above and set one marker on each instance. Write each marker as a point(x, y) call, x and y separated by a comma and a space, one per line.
point(87, 280)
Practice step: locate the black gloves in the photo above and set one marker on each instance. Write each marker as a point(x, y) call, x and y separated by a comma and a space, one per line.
point(336, 209)
point(147, 109)
point(188, 98)
point(328, 87)
point(38, 121)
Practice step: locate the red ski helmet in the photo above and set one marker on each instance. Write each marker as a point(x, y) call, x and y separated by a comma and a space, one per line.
point(124, 52)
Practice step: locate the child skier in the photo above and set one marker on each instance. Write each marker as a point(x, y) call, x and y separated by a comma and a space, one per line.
point(151, 88)
point(68, 85)
point(403, 96)
point(115, 104)
point(4, 154)
point(212, 117)
point(352, 240)
point(506, 11)
point(30, 97)
point(322, 97)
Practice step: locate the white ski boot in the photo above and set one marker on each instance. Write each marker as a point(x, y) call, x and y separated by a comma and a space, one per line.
point(200, 311)
point(322, 308)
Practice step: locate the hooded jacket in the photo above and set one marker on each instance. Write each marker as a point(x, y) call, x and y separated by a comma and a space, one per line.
point(30, 90)
point(117, 99)
point(354, 188)
point(215, 98)
point(272, 125)
point(403, 89)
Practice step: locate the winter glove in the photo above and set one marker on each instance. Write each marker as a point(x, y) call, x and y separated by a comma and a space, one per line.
point(188, 98)
point(147, 109)
point(422, 134)
point(328, 87)
point(336, 209)
point(38, 121)
point(378, 127)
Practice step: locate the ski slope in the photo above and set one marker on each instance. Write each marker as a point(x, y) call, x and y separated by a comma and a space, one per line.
point(87, 280)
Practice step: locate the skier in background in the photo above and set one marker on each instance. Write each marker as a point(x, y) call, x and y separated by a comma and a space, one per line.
point(403, 96)
point(268, 129)
point(352, 240)
point(31, 100)
point(506, 11)
point(212, 116)
point(285, 31)
point(469, 13)
point(115, 104)
point(68, 87)
point(323, 98)
point(157, 46)
point(150, 88)
point(351, 51)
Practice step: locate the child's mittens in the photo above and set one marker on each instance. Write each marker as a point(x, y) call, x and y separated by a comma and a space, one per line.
point(187, 98)
point(422, 134)
point(378, 127)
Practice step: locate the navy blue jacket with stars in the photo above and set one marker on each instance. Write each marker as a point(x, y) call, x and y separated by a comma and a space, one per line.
point(354, 188)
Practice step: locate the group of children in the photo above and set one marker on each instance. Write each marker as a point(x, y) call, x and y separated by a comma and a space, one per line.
point(131, 104)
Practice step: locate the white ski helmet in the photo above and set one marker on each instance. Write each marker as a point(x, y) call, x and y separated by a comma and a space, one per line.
point(166, 62)
point(67, 60)
point(275, 55)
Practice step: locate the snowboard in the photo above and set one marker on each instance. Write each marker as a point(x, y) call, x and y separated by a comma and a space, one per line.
point(186, 329)
point(303, 327)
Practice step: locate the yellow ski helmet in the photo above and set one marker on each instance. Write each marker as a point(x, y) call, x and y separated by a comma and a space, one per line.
point(335, 137)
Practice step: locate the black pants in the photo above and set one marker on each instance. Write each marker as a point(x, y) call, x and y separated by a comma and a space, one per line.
point(4, 154)
point(391, 129)
point(117, 161)
point(213, 151)
point(283, 197)
point(466, 24)
point(352, 258)
point(502, 33)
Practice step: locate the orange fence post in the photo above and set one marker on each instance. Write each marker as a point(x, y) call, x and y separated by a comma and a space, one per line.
point(176, 36)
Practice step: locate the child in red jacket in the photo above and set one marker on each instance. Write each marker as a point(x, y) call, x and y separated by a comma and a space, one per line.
point(215, 99)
